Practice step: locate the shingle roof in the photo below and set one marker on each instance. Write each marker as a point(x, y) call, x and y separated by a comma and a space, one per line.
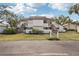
point(37, 18)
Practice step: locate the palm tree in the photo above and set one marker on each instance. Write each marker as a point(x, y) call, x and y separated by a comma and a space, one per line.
point(74, 9)
point(62, 20)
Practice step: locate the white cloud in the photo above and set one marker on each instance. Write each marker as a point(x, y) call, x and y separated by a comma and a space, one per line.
point(33, 15)
point(59, 6)
point(30, 10)
point(21, 9)
point(35, 5)
point(47, 15)
point(16, 9)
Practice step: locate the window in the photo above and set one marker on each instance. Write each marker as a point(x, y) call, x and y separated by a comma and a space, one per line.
point(50, 28)
point(28, 27)
point(45, 21)
point(47, 27)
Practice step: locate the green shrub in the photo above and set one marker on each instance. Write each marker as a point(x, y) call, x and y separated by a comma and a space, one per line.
point(71, 30)
point(10, 31)
point(36, 31)
point(65, 29)
point(53, 39)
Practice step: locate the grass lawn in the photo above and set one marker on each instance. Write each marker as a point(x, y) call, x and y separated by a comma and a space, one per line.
point(71, 35)
point(23, 37)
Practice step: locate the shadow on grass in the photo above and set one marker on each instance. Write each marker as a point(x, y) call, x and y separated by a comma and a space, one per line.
point(52, 39)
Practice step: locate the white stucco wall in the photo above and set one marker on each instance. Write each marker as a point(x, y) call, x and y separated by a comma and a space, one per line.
point(46, 31)
point(2, 29)
point(39, 28)
point(61, 29)
point(28, 30)
point(30, 23)
point(77, 28)
point(45, 25)
point(37, 22)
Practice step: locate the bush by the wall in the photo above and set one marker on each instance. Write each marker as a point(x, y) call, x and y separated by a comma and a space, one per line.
point(36, 31)
point(10, 31)
point(71, 30)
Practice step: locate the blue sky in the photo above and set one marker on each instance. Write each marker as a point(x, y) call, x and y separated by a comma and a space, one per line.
point(41, 9)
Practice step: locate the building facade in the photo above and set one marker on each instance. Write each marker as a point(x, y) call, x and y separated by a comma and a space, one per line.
point(38, 23)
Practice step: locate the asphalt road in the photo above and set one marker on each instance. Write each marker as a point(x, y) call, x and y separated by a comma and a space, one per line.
point(39, 48)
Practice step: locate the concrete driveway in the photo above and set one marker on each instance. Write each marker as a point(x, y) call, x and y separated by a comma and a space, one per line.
point(39, 48)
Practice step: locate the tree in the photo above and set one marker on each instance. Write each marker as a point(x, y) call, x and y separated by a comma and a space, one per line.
point(11, 18)
point(74, 9)
point(62, 20)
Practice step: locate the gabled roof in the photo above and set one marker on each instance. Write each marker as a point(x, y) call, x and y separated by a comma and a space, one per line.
point(37, 18)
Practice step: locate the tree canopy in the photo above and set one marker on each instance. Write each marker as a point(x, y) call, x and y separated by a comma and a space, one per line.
point(11, 18)
point(74, 9)
point(62, 20)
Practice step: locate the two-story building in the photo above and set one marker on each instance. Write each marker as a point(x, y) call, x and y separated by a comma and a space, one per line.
point(36, 22)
